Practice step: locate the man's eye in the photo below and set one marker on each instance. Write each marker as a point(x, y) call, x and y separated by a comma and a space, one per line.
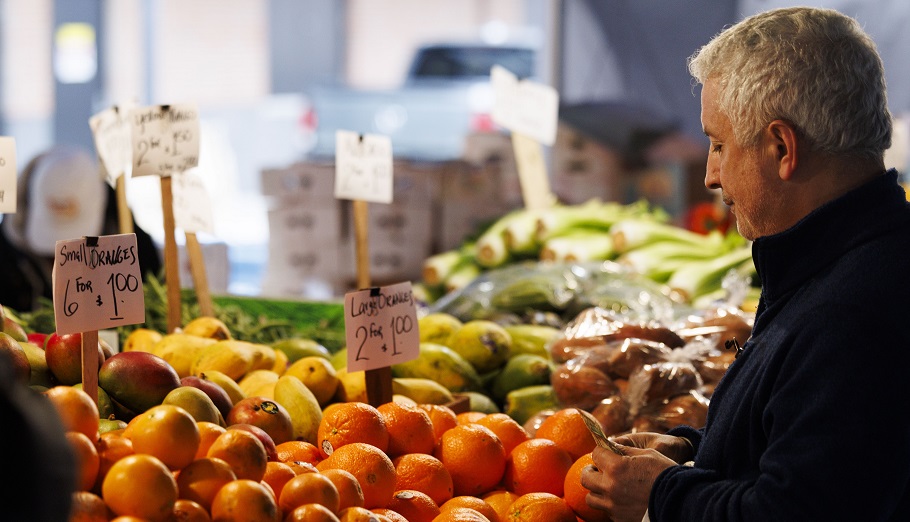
point(715, 147)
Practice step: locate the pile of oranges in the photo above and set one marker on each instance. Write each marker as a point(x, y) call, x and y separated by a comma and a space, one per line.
point(398, 462)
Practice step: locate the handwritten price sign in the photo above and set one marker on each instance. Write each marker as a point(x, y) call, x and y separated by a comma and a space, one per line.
point(192, 205)
point(524, 106)
point(7, 175)
point(97, 284)
point(363, 167)
point(381, 327)
point(111, 133)
point(165, 139)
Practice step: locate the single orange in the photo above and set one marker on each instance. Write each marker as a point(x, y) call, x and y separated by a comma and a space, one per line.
point(167, 432)
point(537, 465)
point(244, 499)
point(140, 486)
point(87, 461)
point(76, 408)
point(201, 479)
point(128, 518)
point(188, 511)
point(357, 514)
point(475, 503)
point(500, 500)
point(243, 451)
point(442, 417)
point(410, 429)
point(301, 467)
point(307, 489)
point(208, 432)
point(311, 513)
point(424, 473)
point(509, 431)
point(469, 417)
point(350, 494)
point(574, 493)
point(567, 428)
point(298, 450)
point(474, 456)
point(414, 505)
point(88, 507)
point(390, 515)
point(111, 448)
point(277, 474)
point(346, 422)
point(373, 469)
point(461, 514)
point(540, 507)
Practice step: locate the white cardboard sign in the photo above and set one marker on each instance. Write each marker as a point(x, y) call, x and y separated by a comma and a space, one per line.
point(97, 283)
point(363, 167)
point(381, 327)
point(111, 133)
point(192, 205)
point(524, 106)
point(8, 191)
point(165, 139)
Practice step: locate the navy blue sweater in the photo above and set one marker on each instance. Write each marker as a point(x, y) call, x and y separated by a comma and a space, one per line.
point(809, 423)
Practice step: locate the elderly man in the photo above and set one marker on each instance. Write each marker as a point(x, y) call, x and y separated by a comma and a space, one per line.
point(807, 422)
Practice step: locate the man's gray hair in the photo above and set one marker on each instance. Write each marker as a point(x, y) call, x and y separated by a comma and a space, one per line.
point(814, 68)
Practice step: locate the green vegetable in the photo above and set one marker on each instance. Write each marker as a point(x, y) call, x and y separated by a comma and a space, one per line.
point(437, 268)
point(659, 260)
point(461, 277)
point(696, 278)
point(579, 245)
point(630, 234)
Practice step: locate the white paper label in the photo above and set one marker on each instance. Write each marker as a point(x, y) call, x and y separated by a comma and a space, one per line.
point(111, 133)
point(363, 167)
point(97, 284)
point(525, 107)
point(381, 327)
point(192, 205)
point(7, 175)
point(165, 139)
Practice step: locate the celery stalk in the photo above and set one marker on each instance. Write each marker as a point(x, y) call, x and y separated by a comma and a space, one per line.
point(700, 277)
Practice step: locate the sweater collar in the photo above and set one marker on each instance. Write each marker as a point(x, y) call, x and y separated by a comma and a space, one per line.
point(785, 260)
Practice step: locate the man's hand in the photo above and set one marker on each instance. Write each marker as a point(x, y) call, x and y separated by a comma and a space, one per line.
point(676, 448)
point(621, 485)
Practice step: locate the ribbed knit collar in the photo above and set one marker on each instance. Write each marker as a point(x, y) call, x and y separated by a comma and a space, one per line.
point(785, 260)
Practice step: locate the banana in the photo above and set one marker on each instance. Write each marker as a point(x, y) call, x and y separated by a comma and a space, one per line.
point(422, 391)
point(523, 403)
point(231, 358)
point(230, 385)
point(180, 350)
point(300, 402)
point(259, 383)
point(443, 365)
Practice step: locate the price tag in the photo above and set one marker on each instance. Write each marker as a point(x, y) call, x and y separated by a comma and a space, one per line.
point(363, 167)
point(192, 206)
point(165, 139)
point(381, 327)
point(524, 107)
point(8, 191)
point(111, 133)
point(97, 283)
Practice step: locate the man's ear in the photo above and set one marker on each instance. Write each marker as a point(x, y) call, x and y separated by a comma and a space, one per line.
point(785, 143)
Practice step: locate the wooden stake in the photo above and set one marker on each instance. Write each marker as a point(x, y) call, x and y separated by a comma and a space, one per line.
point(124, 215)
point(200, 279)
point(171, 262)
point(90, 364)
point(361, 245)
point(379, 385)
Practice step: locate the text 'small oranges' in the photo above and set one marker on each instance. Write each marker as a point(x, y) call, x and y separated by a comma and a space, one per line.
point(348, 422)
point(372, 467)
point(474, 456)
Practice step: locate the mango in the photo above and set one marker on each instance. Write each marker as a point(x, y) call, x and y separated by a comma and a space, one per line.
point(141, 340)
point(17, 357)
point(196, 403)
point(137, 380)
point(208, 327)
point(180, 350)
point(443, 365)
point(298, 347)
point(437, 327)
point(304, 409)
point(318, 374)
point(484, 344)
point(520, 371)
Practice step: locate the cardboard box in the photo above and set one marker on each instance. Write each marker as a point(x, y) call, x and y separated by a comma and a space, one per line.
point(305, 181)
point(217, 267)
point(584, 169)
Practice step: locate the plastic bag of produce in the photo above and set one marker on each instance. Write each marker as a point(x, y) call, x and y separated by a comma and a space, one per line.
point(654, 383)
point(690, 409)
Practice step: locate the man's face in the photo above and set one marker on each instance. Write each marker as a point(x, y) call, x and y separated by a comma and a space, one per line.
point(744, 175)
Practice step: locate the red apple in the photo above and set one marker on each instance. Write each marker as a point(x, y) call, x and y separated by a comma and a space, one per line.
point(64, 357)
point(38, 339)
point(266, 414)
point(263, 437)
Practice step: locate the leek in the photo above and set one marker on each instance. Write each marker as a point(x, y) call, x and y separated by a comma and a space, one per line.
point(437, 267)
point(492, 250)
point(657, 261)
point(519, 234)
point(697, 278)
point(461, 277)
point(578, 246)
point(630, 234)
